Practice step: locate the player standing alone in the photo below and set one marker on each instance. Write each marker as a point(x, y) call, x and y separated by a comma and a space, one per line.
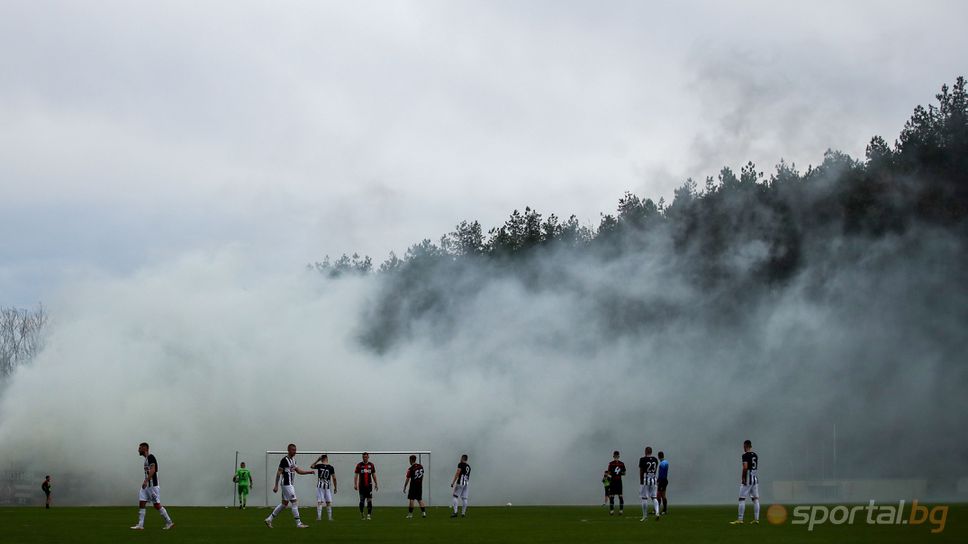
point(325, 486)
point(648, 468)
point(364, 481)
point(460, 483)
point(749, 484)
point(45, 487)
point(150, 491)
point(415, 475)
point(287, 471)
point(663, 482)
point(616, 469)
point(243, 479)
point(606, 479)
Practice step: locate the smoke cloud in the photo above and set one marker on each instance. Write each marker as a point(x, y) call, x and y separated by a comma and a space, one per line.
point(538, 375)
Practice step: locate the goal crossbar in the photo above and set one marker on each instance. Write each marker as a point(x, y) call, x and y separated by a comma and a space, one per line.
point(419, 453)
point(360, 452)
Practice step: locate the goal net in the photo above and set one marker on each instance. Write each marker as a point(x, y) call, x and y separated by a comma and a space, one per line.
point(391, 469)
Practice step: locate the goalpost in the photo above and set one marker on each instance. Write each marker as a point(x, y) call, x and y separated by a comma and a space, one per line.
point(311, 455)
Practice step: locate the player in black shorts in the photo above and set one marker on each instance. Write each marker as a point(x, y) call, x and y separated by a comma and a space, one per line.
point(45, 487)
point(663, 482)
point(364, 481)
point(616, 469)
point(415, 475)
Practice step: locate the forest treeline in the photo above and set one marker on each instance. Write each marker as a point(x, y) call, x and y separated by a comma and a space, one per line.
point(726, 234)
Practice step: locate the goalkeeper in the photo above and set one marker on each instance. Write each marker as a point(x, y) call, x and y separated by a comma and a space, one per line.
point(243, 479)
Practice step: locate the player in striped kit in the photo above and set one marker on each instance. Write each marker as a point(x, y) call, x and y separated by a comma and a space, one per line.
point(460, 483)
point(150, 491)
point(648, 466)
point(749, 484)
point(287, 472)
point(325, 486)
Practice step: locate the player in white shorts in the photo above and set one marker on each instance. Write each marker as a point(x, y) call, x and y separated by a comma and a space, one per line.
point(151, 494)
point(287, 471)
point(325, 486)
point(461, 491)
point(460, 483)
point(749, 484)
point(150, 491)
point(648, 482)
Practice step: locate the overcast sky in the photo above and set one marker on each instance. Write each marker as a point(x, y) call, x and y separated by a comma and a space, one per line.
point(132, 132)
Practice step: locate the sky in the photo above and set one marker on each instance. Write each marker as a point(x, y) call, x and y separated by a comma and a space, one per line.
point(132, 133)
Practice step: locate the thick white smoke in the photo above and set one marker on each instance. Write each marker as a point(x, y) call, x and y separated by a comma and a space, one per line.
point(202, 357)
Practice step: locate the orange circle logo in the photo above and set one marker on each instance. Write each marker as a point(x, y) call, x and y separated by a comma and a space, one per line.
point(776, 514)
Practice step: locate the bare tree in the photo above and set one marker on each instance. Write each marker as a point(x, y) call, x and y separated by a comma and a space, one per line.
point(21, 336)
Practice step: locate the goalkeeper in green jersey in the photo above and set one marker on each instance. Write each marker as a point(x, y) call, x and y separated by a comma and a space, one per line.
point(243, 479)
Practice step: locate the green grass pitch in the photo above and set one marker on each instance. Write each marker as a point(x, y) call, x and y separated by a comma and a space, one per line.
point(484, 524)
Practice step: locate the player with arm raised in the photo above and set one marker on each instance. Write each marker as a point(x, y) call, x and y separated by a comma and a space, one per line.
point(150, 491)
point(325, 486)
point(287, 472)
point(648, 467)
point(663, 482)
point(364, 481)
point(749, 484)
point(616, 469)
point(243, 479)
point(460, 483)
point(414, 479)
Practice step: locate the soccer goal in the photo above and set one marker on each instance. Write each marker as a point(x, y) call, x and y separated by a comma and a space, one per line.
point(391, 467)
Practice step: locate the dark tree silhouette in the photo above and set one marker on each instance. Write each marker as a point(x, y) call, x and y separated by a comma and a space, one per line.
point(736, 235)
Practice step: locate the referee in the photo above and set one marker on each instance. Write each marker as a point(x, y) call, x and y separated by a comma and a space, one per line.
point(663, 481)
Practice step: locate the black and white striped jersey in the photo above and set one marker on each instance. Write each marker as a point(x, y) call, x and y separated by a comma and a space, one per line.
point(751, 460)
point(465, 473)
point(288, 467)
point(150, 460)
point(324, 476)
point(648, 467)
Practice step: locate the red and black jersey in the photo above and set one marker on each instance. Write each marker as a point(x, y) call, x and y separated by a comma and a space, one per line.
point(616, 469)
point(415, 473)
point(366, 471)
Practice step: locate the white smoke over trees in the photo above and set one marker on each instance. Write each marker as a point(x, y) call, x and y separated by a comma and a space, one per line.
point(761, 308)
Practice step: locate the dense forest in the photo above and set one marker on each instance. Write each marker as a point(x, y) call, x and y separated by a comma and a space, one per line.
point(732, 239)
